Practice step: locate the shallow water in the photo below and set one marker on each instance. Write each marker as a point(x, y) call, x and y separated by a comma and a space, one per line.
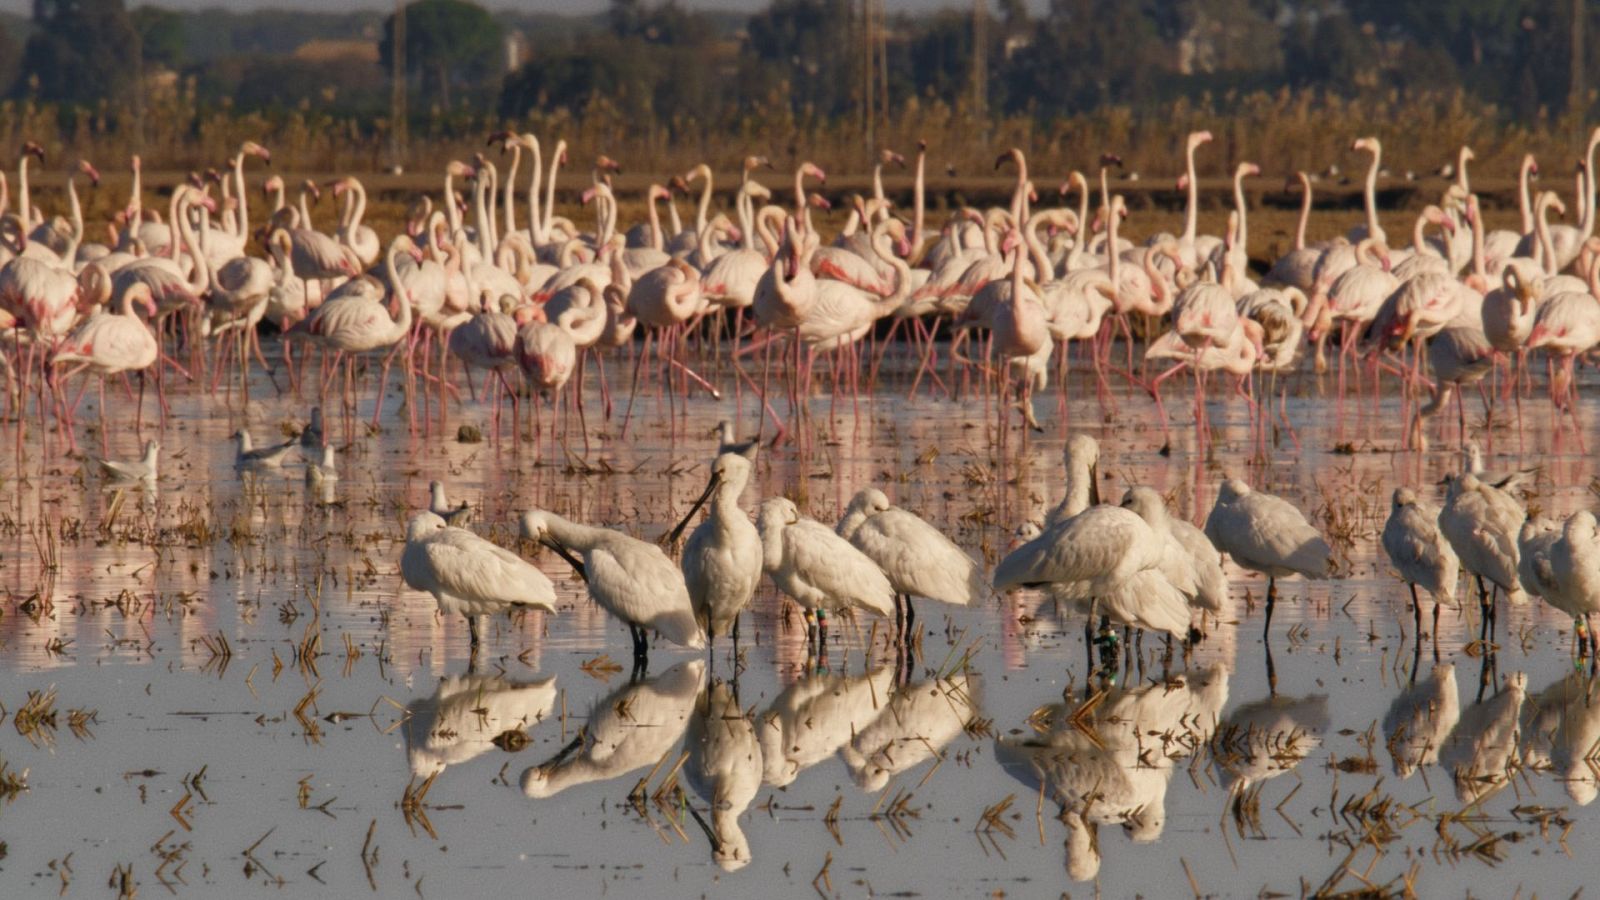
point(294, 760)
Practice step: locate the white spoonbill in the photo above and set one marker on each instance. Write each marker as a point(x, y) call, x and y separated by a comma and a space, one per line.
point(917, 558)
point(722, 560)
point(1420, 553)
point(822, 571)
point(468, 575)
point(1188, 560)
point(1266, 534)
point(1482, 523)
point(1575, 561)
point(630, 579)
point(725, 768)
point(1107, 557)
point(1082, 459)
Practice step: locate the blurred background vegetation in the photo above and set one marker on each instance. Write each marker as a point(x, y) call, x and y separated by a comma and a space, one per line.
point(662, 84)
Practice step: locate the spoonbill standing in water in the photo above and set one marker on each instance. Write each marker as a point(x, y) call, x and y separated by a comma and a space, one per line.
point(469, 575)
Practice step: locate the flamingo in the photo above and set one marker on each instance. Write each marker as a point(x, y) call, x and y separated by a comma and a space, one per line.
point(112, 343)
point(1370, 193)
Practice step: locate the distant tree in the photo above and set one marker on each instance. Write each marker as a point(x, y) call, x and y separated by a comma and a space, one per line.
point(448, 43)
point(160, 34)
point(807, 44)
point(83, 51)
point(10, 60)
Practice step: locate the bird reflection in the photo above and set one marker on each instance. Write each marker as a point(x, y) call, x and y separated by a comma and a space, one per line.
point(464, 716)
point(1564, 735)
point(629, 729)
point(725, 769)
point(816, 717)
point(918, 721)
point(1484, 745)
point(1110, 760)
point(1267, 738)
point(1420, 720)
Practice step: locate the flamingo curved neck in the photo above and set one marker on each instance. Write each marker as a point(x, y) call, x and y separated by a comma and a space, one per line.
point(550, 187)
point(1524, 202)
point(1305, 212)
point(1371, 193)
point(1191, 212)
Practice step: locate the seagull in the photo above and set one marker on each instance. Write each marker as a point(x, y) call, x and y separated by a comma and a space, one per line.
point(1472, 461)
point(141, 469)
point(460, 516)
point(251, 457)
point(727, 442)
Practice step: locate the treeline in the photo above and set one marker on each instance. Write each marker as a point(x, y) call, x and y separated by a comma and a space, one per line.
point(668, 81)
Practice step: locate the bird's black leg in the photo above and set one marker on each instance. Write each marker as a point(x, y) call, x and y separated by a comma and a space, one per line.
point(1416, 611)
point(1272, 598)
point(1272, 671)
point(911, 620)
point(1483, 610)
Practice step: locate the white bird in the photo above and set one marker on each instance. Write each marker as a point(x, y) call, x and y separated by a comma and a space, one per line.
point(1472, 461)
point(722, 559)
point(469, 575)
point(631, 579)
point(1575, 563)
point(1266, 534)
point(1082, 458)
point(822, 571)
point(919, 720)
point(728, 442)
point(467, 714)
point(1420, 553)
point(725, 768)
point(1107, 557)
point(249, 456)
point(633, 727)
point(1420, 720)
point(1482, 523)
point(1189, 562)
point(1099, 763)
point(916, 557)
point(142, 469)
point(459, 515)
point(816, 717)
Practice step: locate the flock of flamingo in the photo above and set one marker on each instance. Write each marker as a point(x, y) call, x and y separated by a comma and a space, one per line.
point(528, 306)
point(188, 296)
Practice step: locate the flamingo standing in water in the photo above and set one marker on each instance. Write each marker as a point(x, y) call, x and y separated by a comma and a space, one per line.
point(110, 344)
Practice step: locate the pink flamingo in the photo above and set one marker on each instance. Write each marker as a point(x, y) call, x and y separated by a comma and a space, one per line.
point(110, 344)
